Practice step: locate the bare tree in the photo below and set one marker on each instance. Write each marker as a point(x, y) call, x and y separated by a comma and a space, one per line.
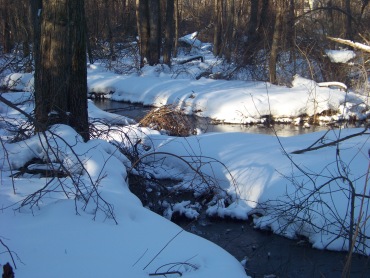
point(276, 40)
point(169, 32)
point(348, 25)
point(154, 31)
point(61, 77)
point(6, 34)
point(217, 37)
point(149, 29)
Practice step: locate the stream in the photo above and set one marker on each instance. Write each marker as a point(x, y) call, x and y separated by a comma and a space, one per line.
point(138, 111)
point(267, 255)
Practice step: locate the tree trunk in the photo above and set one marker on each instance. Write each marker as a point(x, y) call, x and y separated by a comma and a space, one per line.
point(77, 90)
point(276, 38)
point(252, 34)
point(348, 28)
point(168, 43)
point(228, 37)
point(155, 32)
point(330, 17)
point(265, 19)
point(217, 36)
point(6, 30)
point(176, 15)
point(88, 45)
point(112, 55)
point(143, 30)
point(149, 29)
point(253, 21)
point(60, 79)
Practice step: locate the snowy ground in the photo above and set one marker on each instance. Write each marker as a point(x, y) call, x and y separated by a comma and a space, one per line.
point(102, 227)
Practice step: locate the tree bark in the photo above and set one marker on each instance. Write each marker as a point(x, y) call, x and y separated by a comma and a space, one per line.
point(61, 78)
point(276, 38)
point(168, 34)
point(252, 33)
point(176, 15)
point(110, 39)
point(149, 29)
point(77, 91)
point(143, 30)
point(348, 28)
point(253, 21)
point(217, 36)
point(229, 34)
point(6, 30)
point(155, 32)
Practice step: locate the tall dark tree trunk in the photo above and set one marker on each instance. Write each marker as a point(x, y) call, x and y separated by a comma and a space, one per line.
point(330, 18)
point(88, 45)
point(253, 21)
point(155, 32)
point(176, 15)
point(265, 18)
point(276, 41)
point(168, 32)
point(5, 26)
point(252, 33)
point(229, 34)
point(77, 89)
point(112, 55)
point(142, 22)
point(348, 28)
point(149, 29)
point(60, 79)
point(217, 36)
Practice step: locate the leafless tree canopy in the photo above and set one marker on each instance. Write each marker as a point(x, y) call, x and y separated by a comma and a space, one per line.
point(239, 29)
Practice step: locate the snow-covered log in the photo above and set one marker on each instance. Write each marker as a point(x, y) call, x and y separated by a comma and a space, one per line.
point(356, 45)
point(333, 84)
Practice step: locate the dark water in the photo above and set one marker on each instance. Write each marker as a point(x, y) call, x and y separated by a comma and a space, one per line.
point(137, 112)
point(267, 255)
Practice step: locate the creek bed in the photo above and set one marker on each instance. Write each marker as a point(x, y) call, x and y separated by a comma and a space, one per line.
point(267, 254)
point(270, 255)
point(138, 111)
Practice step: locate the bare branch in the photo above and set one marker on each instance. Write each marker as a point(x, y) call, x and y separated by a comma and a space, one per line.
point(311, 148)
point(10, 252)
point(356, 45)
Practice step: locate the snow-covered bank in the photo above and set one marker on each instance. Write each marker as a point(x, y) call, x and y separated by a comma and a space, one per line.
point(251, 168)
point(229, 101)
point(301, 194)
point(221, 100)
point(305, 194)
point(57, 236)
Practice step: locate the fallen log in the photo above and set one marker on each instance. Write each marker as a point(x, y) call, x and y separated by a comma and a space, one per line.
point(198, 57)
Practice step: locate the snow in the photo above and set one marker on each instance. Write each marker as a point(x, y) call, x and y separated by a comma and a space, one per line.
point(192, 40)
point(225, 101)
point(105, 117)
point(18, 81)
point(340, 56)
point(89, 224)
point(58, 237)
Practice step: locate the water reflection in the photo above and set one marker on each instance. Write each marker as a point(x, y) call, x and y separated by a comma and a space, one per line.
point(138, 111)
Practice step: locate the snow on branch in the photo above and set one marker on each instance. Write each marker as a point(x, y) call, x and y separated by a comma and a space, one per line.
point(356, 45)
point(333, 84)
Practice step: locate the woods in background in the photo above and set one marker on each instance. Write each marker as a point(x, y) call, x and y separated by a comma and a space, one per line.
point(239, 29)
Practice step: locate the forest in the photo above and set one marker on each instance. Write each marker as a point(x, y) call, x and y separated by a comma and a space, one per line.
point(261, 35)
point(79, 185)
